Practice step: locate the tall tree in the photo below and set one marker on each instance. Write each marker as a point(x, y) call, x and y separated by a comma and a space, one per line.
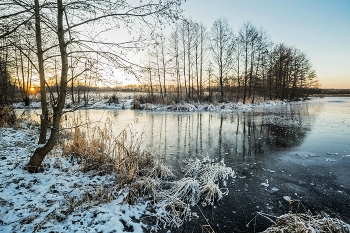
point(222, 47)
point(174, 50)
point(5, 79)
point(39, 52)
point(202, 42)
point(247, 37)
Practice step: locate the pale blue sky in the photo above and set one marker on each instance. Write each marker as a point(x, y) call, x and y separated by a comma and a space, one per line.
point(319, 28)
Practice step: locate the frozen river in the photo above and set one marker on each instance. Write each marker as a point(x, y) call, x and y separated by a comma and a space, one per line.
point(299, 151)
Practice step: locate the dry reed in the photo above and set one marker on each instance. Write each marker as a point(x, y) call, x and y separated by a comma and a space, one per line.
point(98, 149)
point(7, 116)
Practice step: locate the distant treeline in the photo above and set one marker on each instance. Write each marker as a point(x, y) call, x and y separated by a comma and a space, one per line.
point(241, 65)
point(335, 91)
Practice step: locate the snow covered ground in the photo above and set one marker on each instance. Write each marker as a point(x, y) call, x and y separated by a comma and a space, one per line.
point(61, 199)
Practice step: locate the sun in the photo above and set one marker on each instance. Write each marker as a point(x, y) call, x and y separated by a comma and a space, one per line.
point(32, 89)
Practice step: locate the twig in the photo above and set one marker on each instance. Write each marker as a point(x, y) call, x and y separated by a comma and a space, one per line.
point(212, 231)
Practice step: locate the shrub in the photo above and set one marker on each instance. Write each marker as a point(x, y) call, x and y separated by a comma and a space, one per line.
point(113, 99)
point(7, 116)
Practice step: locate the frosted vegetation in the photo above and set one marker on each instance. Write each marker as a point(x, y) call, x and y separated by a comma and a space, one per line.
point(94, 181)
point(120, 101)
point(308, 223)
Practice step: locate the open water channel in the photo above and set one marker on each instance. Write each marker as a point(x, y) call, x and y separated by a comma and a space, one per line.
point(299, 151)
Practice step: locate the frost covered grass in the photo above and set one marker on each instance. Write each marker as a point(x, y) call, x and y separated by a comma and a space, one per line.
point(307, 222)
point(301, 220)
point(97, 182)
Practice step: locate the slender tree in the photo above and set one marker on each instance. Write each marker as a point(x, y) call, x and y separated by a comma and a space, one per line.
point(222, 47)
point(174, 47)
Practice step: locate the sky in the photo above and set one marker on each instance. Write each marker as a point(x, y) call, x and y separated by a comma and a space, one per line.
point(319, 28)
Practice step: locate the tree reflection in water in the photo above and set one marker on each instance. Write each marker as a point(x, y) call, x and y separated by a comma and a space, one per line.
point(235, 137)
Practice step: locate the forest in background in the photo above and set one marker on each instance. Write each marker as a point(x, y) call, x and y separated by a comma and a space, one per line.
point(192, 63)
point(242, 65)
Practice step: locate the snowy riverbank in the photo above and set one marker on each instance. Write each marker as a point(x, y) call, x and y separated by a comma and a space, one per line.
point(128, 103)
point(61, 199)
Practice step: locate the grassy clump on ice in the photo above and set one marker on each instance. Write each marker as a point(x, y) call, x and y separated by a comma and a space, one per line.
point(308, 223)
point(199, 185)
point(172, 199)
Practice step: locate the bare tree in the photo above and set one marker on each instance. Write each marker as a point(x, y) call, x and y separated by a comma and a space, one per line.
point(247, 36)
point(237, 66)
point(147, 78)
point(222, 47)
point(188, 34)
point(202, 41)
point(163, 60)
point(174, 50)
point(5, 79)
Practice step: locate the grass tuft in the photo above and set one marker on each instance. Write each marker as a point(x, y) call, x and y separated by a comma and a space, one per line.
point(7, 116)
point(307, 222)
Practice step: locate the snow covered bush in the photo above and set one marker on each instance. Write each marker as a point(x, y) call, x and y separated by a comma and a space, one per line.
point(204, 169)
point(187, 189)
point(209, 175)
point(193, 167)
point(161, 171)
point(170, 201)
point(210, 192)
point(142, 187)
point(170, 212)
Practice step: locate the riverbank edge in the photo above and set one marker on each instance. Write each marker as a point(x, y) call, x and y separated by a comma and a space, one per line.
point(130, 104)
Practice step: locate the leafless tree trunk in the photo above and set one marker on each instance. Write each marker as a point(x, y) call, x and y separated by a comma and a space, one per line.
point(39, 51)
point(202, 38)
point(222, 45)
point(40, 153)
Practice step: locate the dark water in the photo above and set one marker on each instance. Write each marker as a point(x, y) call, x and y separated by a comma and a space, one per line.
point(299, 150)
